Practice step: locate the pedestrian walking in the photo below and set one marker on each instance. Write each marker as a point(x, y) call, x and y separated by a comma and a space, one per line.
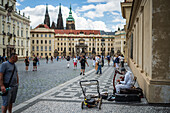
point(9, 78)
point(114, 57)
point(75, 62)
point(83, 63)
point(0, 59)
point(96, 64)
point(35, 60)
point(122, 60)
point(6, 59)
point(26, 63)
point(108, 59)
point(68, 61)
point(99, 62)
point(3, 59)
point(117, 62)
point(51, 59)
point(94, 61)
point(47, 59)
point(60, 58)
point(57, 58)
point(38, 61)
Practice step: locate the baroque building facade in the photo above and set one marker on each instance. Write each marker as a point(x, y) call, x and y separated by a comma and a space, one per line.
point(14, 30)
point(147, 46)
point(53, 41)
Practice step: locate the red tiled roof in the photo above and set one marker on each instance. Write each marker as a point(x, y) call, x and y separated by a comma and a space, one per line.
point(42, 25)
point(86, 32)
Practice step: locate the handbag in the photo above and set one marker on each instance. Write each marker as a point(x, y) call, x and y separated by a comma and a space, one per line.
point(7, 84)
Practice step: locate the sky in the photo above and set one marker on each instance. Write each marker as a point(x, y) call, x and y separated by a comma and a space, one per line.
point(88, 14)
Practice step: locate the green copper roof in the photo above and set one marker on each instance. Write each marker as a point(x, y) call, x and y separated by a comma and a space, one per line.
point(70, 17)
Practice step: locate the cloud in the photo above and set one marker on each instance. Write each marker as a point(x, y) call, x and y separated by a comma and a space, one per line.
point(100, 8)
point(37, 15)
point(89, 1)
point(21, 0)
point(120, 20)
point(18, 4)
point(115, 27)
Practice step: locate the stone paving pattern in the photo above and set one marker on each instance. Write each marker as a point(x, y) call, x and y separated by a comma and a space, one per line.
point(33, 83)
point(67, 97)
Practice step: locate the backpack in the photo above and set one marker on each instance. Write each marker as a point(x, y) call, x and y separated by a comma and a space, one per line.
point(117, 60)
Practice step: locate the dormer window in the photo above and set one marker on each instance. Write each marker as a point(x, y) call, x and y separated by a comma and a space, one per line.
point(81, 32)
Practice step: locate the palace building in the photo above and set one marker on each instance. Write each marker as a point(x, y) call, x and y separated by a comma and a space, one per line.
point(14, 30)
point(54, 40)
point(147, 46)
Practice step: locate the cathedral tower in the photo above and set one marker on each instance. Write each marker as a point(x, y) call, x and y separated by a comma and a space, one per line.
point(60, 19)
point(70, 22)
point(47, 17)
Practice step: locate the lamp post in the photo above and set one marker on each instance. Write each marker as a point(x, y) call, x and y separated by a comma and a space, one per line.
point(102, 51)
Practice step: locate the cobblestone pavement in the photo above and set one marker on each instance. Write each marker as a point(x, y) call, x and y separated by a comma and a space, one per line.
point(33, 83)
point(67, 97)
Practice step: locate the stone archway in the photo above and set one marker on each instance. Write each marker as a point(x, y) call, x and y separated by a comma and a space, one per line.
point(81, 47)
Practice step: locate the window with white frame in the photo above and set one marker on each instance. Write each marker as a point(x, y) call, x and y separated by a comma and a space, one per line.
point(8, 28)
point(32, 48)
point(45, 48)
point(21, 33)
point(37, 48)
point(49, 48)
point(22, 43)
point(41, 48)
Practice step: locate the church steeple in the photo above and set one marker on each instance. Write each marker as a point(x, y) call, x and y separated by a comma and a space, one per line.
point(47, 17)
point(70, 22)
point(60, 19)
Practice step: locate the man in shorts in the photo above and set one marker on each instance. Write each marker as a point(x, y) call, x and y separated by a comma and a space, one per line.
point(83, 63)
point(6, 70)
point(75, 62)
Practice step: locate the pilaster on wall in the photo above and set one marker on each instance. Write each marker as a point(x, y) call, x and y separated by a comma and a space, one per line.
point(160, 39)
point(155, 91)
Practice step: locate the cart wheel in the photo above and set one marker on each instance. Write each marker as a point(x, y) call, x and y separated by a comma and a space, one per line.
point(100, 103)
point(82, 104)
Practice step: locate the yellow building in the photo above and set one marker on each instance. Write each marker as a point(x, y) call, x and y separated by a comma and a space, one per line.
point(46, 41)
point(14, 30)
point(73, 42)
point(147, 34)
point(120, 40)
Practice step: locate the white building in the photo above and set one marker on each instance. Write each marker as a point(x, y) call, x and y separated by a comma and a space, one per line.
point(14, 30)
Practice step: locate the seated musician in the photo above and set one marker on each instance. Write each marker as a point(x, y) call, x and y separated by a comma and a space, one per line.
point(127, 83)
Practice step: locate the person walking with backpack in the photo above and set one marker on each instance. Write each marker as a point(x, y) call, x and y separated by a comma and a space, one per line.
point(117, 62)
point(99, 62)
point(9, 79)
point(83, 63)
point(35, 60)
point(122, 61)
point(108, 59)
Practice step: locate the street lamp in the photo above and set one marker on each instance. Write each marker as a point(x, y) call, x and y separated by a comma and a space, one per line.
point(102, 40)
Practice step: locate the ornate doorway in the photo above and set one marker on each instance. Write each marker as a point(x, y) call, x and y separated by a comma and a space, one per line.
point(81, 47)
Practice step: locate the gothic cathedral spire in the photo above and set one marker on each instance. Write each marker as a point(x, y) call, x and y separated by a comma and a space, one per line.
point(47, 17)
point(60, 19)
